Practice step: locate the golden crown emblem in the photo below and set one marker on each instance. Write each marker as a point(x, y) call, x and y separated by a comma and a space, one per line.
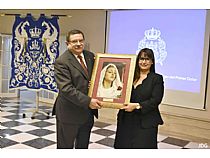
point(35, 32)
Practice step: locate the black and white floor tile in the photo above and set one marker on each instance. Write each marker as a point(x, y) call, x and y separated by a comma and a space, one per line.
point(17, 132)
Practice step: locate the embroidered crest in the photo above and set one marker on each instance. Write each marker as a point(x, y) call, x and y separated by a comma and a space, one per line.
point(34, 50)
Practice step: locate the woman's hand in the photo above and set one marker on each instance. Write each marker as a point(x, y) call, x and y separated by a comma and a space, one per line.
point(130, 107)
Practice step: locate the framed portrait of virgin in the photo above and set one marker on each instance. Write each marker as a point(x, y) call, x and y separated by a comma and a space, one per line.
point(112, 79)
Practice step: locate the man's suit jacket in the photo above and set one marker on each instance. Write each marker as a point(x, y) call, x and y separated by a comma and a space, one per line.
point(72, 103)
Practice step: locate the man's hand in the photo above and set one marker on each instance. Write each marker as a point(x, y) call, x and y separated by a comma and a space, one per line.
point(130, 107)
point(95, 104)
point(89, 84)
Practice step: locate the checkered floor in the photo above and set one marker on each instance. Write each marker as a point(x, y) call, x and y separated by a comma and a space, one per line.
point(17, 132)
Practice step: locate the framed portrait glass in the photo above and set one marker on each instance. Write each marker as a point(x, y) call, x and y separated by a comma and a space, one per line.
point(112, 79)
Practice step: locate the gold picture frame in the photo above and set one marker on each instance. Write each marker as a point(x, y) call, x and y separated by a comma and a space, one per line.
point(112, 86)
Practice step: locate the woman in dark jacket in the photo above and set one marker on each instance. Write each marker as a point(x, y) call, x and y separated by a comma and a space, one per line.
point(137, 122)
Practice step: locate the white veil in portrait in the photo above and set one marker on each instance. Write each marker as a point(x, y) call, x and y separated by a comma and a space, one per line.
point(117, 85)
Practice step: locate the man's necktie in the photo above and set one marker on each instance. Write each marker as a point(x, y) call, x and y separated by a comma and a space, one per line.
point(83, 64)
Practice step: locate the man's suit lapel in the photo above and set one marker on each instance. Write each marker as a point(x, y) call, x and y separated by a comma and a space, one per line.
point(77, 65)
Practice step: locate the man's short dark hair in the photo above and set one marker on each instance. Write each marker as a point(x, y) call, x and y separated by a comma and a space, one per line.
point(72, 32)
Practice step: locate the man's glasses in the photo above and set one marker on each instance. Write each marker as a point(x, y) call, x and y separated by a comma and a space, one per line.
point(74, 42)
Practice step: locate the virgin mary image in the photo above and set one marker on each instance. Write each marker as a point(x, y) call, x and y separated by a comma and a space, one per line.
point(110, 85)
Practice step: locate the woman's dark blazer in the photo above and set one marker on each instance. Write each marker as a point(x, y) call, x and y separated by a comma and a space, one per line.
point(149, 95)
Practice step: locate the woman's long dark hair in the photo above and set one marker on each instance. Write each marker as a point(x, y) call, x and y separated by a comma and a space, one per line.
point(147, 53)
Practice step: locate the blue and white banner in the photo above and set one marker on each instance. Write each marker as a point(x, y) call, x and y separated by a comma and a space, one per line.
point(34, 50)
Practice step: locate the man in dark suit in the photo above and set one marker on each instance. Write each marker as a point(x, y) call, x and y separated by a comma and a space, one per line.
point(74, 109)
